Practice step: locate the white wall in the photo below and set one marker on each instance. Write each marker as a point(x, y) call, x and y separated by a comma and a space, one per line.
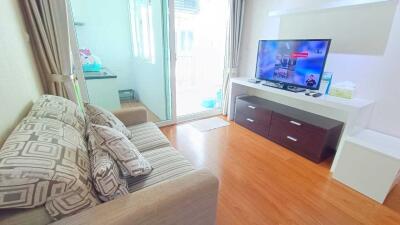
point(376, 76)
point(19, 79)
point(150, 76)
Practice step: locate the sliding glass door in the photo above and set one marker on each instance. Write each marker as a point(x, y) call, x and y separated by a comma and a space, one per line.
point(200, 32)
point(124, 49)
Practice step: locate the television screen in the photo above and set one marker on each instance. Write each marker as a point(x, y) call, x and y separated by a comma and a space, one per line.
point(293, 62)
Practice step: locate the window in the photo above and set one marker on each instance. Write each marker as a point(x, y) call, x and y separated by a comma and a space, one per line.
point(189, 6)
point(142, 29)
point(184, 40)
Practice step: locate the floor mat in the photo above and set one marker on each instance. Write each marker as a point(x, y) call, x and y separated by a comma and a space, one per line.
point(209, 124)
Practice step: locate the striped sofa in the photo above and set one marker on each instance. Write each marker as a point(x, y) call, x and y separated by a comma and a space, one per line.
point(173, 193)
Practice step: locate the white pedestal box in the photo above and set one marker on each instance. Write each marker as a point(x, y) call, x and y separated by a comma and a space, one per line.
point(369, 163)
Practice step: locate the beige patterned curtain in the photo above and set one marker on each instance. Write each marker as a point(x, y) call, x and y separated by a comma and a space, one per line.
point(49, 22)
point(232, 48)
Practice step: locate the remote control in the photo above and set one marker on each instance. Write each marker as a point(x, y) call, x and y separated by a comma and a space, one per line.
point(316, 95)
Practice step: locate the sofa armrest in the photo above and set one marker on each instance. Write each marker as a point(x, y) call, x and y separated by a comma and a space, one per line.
point(132, 115)
point(189, 199)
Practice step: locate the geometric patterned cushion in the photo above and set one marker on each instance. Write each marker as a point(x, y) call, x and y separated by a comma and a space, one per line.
point(147, 136)
point(74, 200)
point(59, 108)
point(128, 158)
point(106, 178)
point(100, 116)
point(45, 162)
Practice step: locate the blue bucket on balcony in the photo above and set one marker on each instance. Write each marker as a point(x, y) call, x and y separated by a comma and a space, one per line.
point(208, 103)
point(219, 96)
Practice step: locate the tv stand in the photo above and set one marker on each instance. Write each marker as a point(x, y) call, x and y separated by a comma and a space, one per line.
point(312, 136)
point(354, 113)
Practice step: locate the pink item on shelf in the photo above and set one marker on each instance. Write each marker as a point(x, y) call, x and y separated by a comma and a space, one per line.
point(85, 51)
point(86, 56)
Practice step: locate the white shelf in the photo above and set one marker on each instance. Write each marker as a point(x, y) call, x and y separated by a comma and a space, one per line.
point(323, 6)
point(325, 100)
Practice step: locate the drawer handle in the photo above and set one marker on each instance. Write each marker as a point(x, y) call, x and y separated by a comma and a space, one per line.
point(295, 123)
point(291, 138)
point(250, 120)
point(251, 107)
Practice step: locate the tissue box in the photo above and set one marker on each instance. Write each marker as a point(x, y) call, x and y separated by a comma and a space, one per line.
point(342, 92)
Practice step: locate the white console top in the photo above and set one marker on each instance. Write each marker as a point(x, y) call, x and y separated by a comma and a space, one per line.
point(325, 100)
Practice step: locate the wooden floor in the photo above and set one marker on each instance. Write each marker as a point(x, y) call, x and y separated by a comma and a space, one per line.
point(264, 183)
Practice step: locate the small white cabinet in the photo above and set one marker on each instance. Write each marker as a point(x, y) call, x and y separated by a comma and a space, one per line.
point(103, 89)
point(369, 163)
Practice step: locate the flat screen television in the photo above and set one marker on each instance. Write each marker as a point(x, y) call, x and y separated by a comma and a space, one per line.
point(292, 63)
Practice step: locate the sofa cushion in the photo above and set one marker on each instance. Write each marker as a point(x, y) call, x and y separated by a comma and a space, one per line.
point(123, 151)
point(100, 116)
point(147, 136)
point(167, 164)
point(106, 177)
point(54, 107)
point(45, 162)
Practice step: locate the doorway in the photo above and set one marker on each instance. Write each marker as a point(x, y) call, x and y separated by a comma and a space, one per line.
point(124, 49)
point(200, 31)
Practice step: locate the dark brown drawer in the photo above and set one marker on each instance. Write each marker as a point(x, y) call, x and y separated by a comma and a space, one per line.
point(253, 111)
point(260, 127)
point(296, 124)
point(302, 140)
point(253, 117)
